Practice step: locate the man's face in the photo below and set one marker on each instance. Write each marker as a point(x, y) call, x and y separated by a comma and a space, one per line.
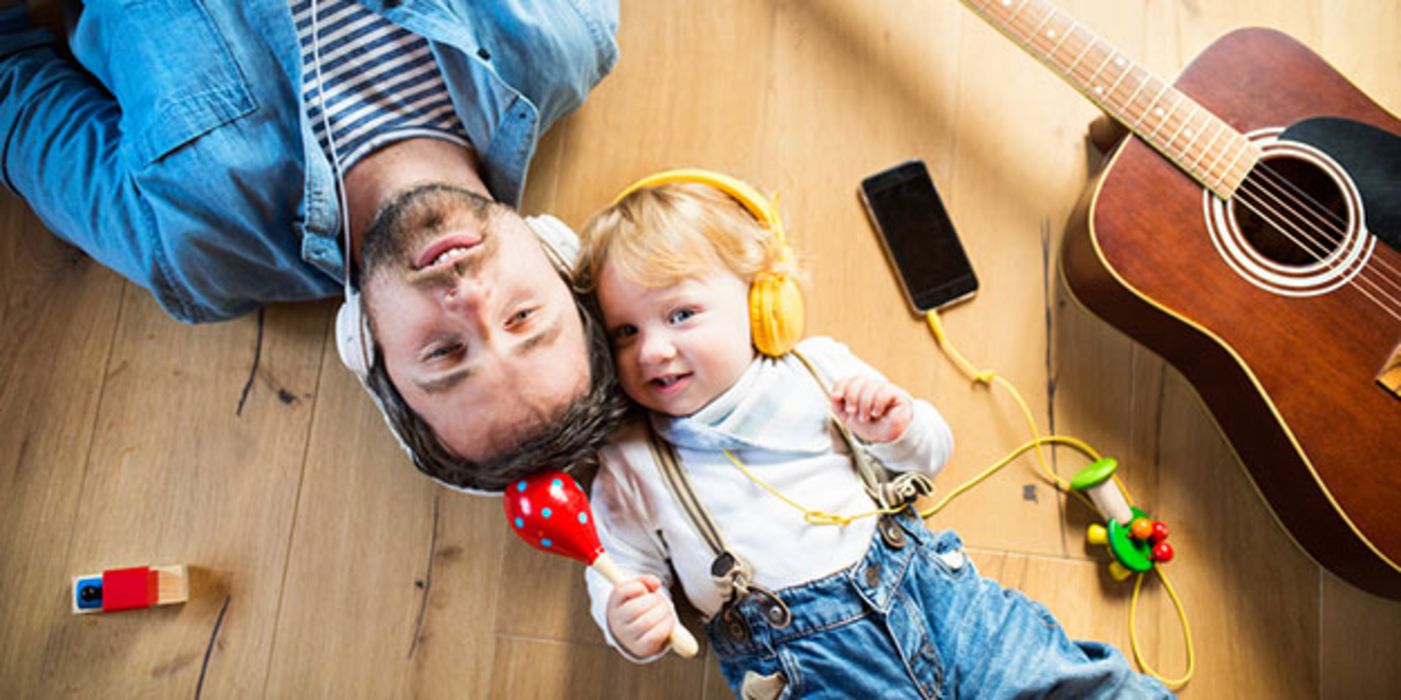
point(478, 332)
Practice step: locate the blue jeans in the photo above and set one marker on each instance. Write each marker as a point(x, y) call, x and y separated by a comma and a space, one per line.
point(913, 621)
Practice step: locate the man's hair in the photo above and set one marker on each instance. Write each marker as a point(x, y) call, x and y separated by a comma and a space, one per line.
point(659, 236)
point(568, 440)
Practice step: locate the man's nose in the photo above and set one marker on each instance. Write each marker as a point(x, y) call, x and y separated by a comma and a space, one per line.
point(467, 295)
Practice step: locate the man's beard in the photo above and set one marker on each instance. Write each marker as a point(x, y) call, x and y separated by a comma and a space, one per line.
point(413, 217)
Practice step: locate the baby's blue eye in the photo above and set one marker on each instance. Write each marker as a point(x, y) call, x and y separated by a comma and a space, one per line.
point(624, 331)
point(681, 315)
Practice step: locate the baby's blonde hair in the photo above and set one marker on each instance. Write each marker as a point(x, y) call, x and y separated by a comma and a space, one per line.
point(659, 236)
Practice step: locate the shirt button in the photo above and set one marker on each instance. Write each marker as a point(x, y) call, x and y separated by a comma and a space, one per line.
point(483, 54)
point(873, 574)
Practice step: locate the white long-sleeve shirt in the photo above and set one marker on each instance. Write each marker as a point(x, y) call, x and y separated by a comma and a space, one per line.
point(775, 420)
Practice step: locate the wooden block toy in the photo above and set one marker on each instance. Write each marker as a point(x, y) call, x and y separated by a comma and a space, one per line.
point(130, 589)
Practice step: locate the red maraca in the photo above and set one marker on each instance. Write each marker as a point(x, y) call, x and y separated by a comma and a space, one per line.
point(551, 513)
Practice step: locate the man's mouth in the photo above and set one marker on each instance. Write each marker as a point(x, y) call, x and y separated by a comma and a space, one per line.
point(446, 250)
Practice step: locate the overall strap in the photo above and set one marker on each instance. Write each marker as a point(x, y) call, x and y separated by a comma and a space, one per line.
point(727, 568)
point(886, 492)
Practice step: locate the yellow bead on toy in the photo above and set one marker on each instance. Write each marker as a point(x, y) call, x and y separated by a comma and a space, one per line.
point(1119, 571)
point(1097, 534)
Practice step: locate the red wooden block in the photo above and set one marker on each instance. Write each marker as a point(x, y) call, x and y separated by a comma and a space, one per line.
point(126, 589)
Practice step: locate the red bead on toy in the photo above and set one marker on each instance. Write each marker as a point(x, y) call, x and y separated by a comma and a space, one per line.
point(1160, 531)
point(1162, 552)
point(551, 513)
point(1141, 528)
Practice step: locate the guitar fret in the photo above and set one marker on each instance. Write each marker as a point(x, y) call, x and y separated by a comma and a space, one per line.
point(1110, 92)
point(1070, 28)
point(1181, 127)
point(1207, 146)
point(1230, 169)
point(1128, 104)
point(1035, 31)
point(1220, 153)
point(1187, 147)
point(1014, 12)
point(1205, 177)
point(1149, 109)
point(1167, 116)
point(1194, 139)
point(1079, 57)
point(1089, 82)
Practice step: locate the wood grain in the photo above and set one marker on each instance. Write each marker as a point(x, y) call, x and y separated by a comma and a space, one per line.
point(348, 575)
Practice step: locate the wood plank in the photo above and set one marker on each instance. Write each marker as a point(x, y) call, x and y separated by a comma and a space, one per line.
point(177, 476)
point(59, 310)
point(1358, 643)
point(638, 122)
point(531, 668)
point(390, 582)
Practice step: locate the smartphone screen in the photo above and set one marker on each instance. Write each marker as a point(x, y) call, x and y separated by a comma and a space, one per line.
point(918, 236)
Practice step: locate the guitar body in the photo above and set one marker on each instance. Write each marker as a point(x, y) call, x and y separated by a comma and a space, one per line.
point(1292, 381)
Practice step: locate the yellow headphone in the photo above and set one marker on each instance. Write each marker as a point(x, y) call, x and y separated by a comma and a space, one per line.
point(775, 303)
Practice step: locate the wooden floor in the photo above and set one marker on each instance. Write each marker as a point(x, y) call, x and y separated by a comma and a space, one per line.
point(324, 567)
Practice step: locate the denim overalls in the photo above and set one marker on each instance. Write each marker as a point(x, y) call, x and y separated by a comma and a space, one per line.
point(912, 619)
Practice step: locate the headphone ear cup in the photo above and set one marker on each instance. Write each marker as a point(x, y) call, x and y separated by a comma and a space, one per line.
point(353, 336)
point(776, 313)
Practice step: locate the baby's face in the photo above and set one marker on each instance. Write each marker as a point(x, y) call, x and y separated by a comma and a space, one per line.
point(677, 347)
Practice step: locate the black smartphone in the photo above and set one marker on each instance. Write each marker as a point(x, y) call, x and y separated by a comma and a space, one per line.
point(918, 236)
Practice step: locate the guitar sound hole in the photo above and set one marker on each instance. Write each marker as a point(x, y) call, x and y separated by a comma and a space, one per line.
point(1290, 211)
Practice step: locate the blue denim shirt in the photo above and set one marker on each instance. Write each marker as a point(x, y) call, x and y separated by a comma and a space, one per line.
point(175, 150)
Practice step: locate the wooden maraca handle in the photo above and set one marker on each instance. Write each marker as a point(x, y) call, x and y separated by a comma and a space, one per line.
point(682, 641)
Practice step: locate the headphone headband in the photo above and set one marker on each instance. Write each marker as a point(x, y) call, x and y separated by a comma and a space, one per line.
point(762, 208)
point(775, 303)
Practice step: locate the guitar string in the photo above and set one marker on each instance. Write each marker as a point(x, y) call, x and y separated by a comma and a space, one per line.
point(1357, 278)
point(1026, 41)
point(1337, 223)
point(1313, 206)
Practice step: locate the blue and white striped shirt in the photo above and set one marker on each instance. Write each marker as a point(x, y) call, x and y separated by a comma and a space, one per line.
point(377, 82)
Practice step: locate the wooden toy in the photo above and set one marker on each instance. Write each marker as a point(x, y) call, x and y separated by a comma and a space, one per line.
point(1134, 540)
point(130, 589)
point(551, 513)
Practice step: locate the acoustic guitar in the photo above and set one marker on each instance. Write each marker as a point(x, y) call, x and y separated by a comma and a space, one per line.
point(1248, 232)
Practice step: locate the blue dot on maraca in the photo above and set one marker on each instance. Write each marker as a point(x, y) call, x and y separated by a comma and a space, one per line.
point(546, 513)
point(520, 523)
point(547, 542)
point(557, 484)
point(520, 485)
point(583, 518)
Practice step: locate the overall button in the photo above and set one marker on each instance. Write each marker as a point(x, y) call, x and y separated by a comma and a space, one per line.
point(873, 574)
point(892, 534)
point(778, 615)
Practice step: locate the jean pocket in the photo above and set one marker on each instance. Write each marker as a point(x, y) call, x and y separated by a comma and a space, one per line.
point(757, 686)
point(945, 551)
point(169, 67)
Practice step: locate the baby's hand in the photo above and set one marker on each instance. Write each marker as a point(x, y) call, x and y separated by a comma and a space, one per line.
point(639, 617)
point(874, 409)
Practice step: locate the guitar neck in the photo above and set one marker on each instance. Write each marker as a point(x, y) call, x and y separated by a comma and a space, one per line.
point(1206, 148)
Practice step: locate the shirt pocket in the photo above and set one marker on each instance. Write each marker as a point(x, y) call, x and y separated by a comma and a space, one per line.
point(169, 67)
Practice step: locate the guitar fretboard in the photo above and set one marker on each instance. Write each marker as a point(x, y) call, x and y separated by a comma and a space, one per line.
point(1203, 146)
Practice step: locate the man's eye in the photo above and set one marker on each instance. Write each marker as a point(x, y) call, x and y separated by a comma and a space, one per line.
point(440, 351)
point(519, 317)
point(681, 315)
